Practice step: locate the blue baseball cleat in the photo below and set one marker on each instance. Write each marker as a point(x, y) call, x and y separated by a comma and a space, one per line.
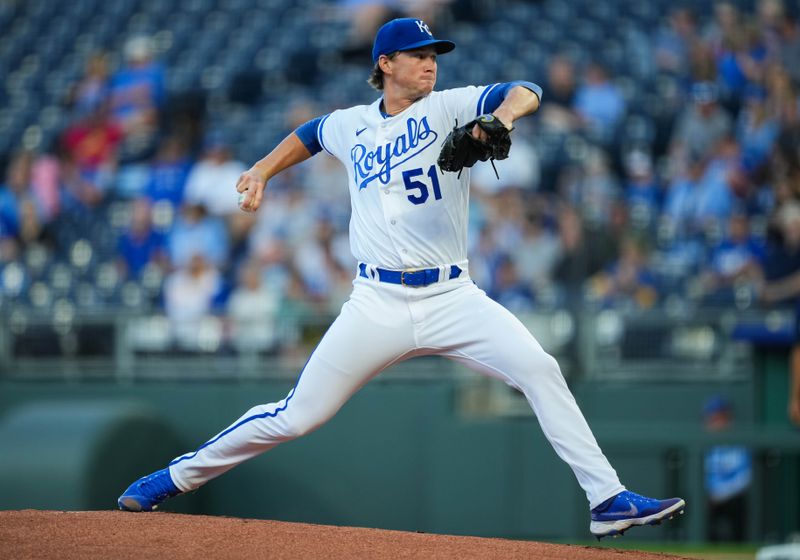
point(618, 514)
point(146, 493)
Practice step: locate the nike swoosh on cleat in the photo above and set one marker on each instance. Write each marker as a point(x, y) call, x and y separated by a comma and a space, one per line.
point(360, 131)
point(633, 511)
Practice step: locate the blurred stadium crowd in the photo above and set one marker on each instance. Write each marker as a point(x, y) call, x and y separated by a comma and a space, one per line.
point(663, 170)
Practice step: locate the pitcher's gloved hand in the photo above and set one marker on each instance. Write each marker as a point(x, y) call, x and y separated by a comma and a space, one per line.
point(461, 149)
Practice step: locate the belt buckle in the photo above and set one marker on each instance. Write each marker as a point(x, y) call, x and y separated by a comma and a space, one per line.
point(403, 277)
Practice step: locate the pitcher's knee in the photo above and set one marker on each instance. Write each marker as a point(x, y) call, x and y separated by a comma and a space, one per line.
point(550, 366)
point(297, 425)
point(544, 368)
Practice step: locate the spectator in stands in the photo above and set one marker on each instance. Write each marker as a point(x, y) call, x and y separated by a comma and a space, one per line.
point(189, 294)
point(273, 258)
point(364, 18)
point(288, 217)
point(505, 213)
point(137, 96)
point(702, 66)
point(210, 179)
point(788, 142)
point(324, 264)
point(723, 183)
point(628, 281)
point(508, 289)
point(252, 312)
point(583, 252)
point(537, 252)
point(195, 232)
point(771, 17)
point(641, 190)
point(169, 172)
point(483, 255)
point(599, 103)
point(21, 217)
point(592, 187)
point(137, 91)
point(92, 90)
point(90, 151)
point(736, 261)
point(673, 44)
point(728, 473)
point(756, 130)
point(726, 24)
point(78, 194)
point(519, 171)
point(209, 183)
point(140, 245)
point(789, 47)
point(740, 61)
point(681, 196)
point(558, 113)
point(700, 126)
point(46, 181)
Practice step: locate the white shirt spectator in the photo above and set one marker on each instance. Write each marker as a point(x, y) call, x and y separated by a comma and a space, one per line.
point(252, 311)
point(212, 182)
point(188, 297)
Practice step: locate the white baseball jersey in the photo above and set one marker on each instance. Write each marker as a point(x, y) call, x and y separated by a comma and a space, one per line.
point(406, 213)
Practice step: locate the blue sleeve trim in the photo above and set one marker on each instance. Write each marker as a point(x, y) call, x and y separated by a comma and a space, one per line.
point(493, 96)
point(308, 135)
point(319, 133)
point(479, 109)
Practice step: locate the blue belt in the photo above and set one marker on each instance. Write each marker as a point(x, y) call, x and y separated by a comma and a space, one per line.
point(415, 278)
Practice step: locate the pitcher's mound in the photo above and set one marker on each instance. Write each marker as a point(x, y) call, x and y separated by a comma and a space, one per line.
point(87, 535)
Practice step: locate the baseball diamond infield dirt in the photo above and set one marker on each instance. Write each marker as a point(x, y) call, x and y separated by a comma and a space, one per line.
point(69, 535)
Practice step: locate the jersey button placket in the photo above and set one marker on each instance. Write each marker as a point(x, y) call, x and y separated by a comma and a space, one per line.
point(386, 201)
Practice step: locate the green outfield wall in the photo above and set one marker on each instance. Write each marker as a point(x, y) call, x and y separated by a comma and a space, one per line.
point(402, 454)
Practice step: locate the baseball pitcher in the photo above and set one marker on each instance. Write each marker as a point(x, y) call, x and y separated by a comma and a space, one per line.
point(407, 157)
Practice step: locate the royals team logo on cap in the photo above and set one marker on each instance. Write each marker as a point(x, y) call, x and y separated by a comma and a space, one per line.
point(405, 34)
point(424, 27)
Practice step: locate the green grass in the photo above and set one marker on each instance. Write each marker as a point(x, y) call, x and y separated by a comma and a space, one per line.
point(704, 551)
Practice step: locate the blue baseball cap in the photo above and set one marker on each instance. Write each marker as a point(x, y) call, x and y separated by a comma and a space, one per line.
point(405, 34)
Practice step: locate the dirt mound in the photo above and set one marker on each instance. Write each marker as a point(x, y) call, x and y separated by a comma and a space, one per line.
point(90, 535)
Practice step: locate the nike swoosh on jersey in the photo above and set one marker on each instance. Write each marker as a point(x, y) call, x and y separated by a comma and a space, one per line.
point(360, 131)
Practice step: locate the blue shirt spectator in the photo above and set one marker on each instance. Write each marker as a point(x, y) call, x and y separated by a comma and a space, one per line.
point(642, 191)
point(756, 129)
point(728, 471)
point(195, 232)
point(140, 244)
point(714, 202)
point(599, 102)
point(17, 192)
point(9, 213)
point(508, 289)
point(169, 172)
point(138, 90)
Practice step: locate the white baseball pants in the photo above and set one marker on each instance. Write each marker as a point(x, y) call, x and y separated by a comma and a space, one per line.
point(383, 324)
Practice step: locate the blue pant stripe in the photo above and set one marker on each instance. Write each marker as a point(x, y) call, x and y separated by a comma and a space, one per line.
point(246, 420)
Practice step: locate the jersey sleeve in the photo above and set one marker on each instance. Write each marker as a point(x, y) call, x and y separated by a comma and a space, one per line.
point(466, 103)
point(495, 94)
point(309, 134)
